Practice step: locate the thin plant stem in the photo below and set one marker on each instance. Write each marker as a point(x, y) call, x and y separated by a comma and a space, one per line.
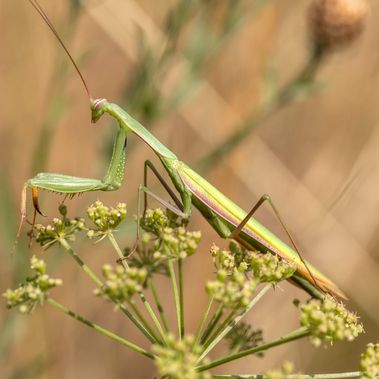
point(287, 94)
point(212, 323)
point(144, 322)
point(176, 295)
point(117, 249)
point(100, 284)
point(229, 324)
point(140, 293)
point(295, 335)
point(208, 345)
point(181, 296)
point(338, 375)
point(81, 263)
point(202, 323)
point(159, 305)
point(100, 329)
point(152, 315)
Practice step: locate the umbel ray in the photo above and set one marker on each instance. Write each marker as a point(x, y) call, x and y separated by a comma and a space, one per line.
point(228, 220)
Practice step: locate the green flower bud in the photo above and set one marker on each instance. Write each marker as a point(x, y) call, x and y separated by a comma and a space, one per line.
point(58, 230)
point(269, 267)
point(329, 321)
point(38, 265)
point(369, 364)
point(178, 358)
point(34, 291)
point(121, 284)
point(104, 218)
point(232, 290)
point(264, 267)
point(286, 370)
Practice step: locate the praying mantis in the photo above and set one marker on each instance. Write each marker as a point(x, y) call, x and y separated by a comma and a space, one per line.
point(226, 218)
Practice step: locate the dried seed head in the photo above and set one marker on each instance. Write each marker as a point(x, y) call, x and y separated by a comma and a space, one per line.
point(336, 23)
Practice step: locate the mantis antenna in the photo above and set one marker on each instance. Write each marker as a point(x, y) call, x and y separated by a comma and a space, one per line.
point(44, 16)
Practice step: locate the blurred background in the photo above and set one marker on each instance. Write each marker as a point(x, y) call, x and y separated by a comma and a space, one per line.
point(199, 75)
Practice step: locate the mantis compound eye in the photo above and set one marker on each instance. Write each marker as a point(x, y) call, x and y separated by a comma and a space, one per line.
point(97, 109)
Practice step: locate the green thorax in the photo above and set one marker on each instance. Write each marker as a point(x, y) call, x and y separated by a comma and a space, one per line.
point(130, 124)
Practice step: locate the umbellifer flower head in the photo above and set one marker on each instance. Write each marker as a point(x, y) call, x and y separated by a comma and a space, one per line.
point(263, 267)
point(105, 219)
point(177, 243)
point(283, 373)
point(34, 291)
point(122, 283)
point(329, 321)
point(370, 362)
point(179, 358)
point(173, 240)
point(232, 290)
point(60, 228)
point(335, 23)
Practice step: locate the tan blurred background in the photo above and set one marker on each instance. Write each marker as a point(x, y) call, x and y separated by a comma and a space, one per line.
point(317, 158)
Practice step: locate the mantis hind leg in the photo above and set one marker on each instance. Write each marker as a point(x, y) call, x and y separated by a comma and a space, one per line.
point(177, 209)
point(266, 198)
point(169, 190)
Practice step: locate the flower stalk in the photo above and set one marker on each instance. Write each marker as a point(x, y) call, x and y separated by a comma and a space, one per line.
point(100, 329)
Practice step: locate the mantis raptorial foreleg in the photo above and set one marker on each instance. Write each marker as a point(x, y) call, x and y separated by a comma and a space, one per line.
point(73, 185)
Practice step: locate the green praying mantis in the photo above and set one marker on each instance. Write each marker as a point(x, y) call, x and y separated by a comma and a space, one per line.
point(227, 219)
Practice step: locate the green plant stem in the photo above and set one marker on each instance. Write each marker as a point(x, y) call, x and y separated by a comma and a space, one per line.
point(117, 249)
point(229, 324)
point(100, 284)
point(159, 305)
point(84, 267)
point(213, 338)
point(339, 375)
point(144, 322)
point(202, 323)
point(295, 335)
point(140, 293)
point(287, 94)
point(176, 295)
point(99, 328)
point(181, 296)
point(152, 315)
point(212, 323)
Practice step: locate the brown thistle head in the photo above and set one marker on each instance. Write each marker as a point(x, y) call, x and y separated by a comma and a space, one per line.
point(336, 23)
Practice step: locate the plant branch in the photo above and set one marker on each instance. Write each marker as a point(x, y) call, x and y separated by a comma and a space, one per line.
point(100, 284)
point(140, 293)
point(181, 296)
point(212, 323)
point(202, 323)
point(176, 296)
point(295, 335)
point(159, 305)
point(229, 324)
point(287, 94)
point(100, 329)
point(339, 375)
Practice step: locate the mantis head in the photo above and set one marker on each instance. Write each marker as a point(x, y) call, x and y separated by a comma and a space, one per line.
point(96, 109)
